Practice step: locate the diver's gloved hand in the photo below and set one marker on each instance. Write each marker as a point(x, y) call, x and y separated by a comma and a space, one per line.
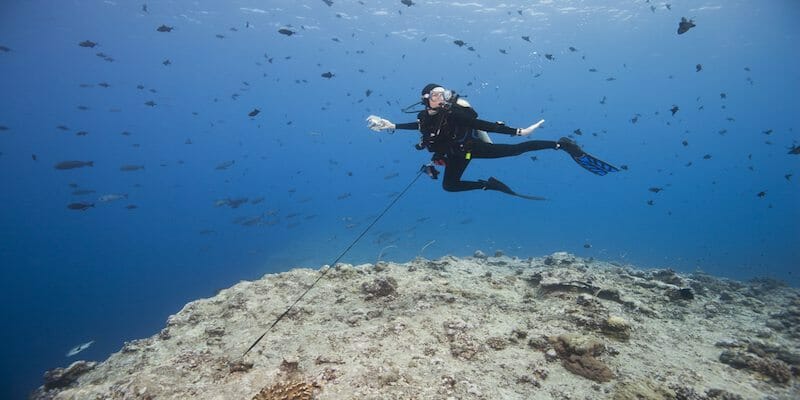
point(378, 124)
point(527, 131)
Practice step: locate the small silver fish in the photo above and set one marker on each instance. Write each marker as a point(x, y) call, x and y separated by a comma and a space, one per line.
point(107, 198)
point(79, 348)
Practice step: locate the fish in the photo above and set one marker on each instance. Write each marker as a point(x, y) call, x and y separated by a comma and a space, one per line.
point(762, 194)
point(164, 28)
point(287, 32)
point(328, 75)
point(131, 206)
point(225, 165)
point(4, 49)
point(129, 168)
point(549, 57)
point(526, 38)
point(150, 103)
point(79, 348)
point(674, 109)
point(685, 25)
point(87, 43)
point(655, 189)
point(167, 62)
point(707, 157)
point(3, 128)
point(408, 3)
point(107, 198)
point(794, 150)
point(578, 132)
point(80, 206)
point(144, 8)
point(698, 67)
point(459, 43)
point(328, 2)
point(254, 112)
point(74, 164)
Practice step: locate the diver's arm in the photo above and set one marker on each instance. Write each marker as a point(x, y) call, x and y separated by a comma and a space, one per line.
point(378, 124)
point(497, 127)
point(408, 126)
point(500, 127)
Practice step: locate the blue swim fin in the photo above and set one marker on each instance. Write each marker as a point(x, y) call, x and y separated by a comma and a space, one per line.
point(585, 160)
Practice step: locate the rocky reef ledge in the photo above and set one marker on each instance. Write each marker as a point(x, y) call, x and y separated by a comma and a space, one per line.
point(558, 327)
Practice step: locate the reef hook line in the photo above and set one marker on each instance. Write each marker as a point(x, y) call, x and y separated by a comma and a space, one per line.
point(324, 272)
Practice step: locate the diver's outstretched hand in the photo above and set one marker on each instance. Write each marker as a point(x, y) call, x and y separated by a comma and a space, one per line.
point(527, 131)
point(378, 124)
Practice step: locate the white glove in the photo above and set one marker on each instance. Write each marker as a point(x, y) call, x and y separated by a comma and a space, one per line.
point(527, 131)
point(378, 124)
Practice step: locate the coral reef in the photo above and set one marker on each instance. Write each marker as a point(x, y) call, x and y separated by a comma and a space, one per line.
point(485, 327)
point(579, 356)
point(286, 391)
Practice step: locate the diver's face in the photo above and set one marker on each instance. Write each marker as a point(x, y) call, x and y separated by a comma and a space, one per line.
point(435, 99)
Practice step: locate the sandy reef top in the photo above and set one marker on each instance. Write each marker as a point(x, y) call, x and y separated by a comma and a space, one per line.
point(557, 327)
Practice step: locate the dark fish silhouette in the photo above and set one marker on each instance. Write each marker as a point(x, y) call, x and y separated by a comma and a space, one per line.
point(287, 32)
point(698, 67)
point(526, 38)
point(254, 112)
point(4, 49)
point(87, 43)
point(707, 157)
point(762, 194)
point(794, 150)
point(129, 168)
point(144, 8)
point(328, 75)
point(408, 3)
point(578, 132)
point(164, 28)
point(674, 109)
point(328, 2)
point(685, 25)
point(150, 103)
point(80, 206)
point(549, 57)
point(459, 43)
point(73, 164)
point(655, 189)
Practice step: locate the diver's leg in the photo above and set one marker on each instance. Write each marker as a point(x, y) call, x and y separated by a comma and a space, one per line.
point(489, 150)
point(452, 176)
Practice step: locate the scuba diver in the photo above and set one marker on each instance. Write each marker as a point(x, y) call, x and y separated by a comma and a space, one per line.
point(452, 131)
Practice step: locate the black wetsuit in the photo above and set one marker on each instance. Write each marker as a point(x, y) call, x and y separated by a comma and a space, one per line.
point(450, 135)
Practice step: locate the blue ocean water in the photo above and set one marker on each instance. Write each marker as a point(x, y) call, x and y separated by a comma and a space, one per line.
point(314, 177)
